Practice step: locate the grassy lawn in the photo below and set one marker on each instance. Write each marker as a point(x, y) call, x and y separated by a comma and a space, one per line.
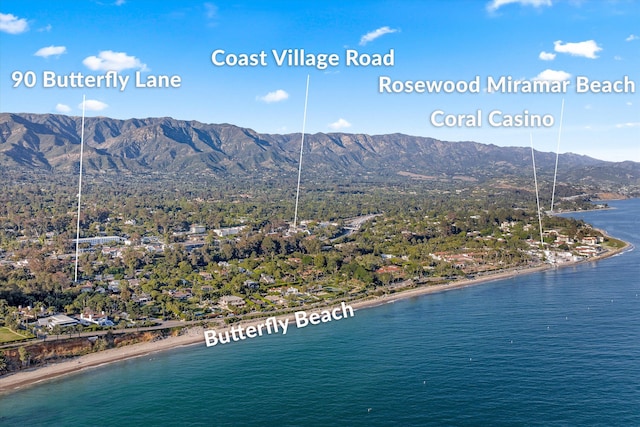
point(614, 243)
point(7, 335)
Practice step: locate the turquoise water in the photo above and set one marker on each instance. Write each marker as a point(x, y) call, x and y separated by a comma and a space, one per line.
point(560, 347)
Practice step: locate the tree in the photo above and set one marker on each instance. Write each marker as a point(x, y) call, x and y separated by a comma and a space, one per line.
point(100, 344)
point(13, 322)
point(57, 330)
point(311, 245)
point(25, 357)
point(132, 259)
point(3, 362)
point(4, 310)
point(320, 261)
point(385, 278)
point(268, 246)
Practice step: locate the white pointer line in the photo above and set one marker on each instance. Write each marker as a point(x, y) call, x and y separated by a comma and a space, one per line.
point(79, 188)
point(535, 179)
point(555, 173)
point(304, 122)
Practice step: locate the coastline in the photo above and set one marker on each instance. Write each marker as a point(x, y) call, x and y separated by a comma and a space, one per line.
point(559, 213)
point(195, 335)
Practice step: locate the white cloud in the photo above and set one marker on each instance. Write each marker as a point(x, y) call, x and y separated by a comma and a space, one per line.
point(120, 2)
point(211, 10)
point(588, 48)
point(494, 5)
point(631, 38)
point(48, 51)
point(628, 125)
point(617, 58)
point(45, 29)
point(93, 105)
point(547, 56)
point(340, 124)
point(12, 24)
point(277, 96)
point(372, 35)
point(108, 60)
point(553, 75)
point(629, 103)
point(62, 108)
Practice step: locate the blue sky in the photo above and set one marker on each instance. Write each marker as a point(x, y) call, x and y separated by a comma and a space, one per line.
point(431, 40)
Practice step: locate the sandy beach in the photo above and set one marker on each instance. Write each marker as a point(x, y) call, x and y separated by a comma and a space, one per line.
point(195, 335)
point(53, 370)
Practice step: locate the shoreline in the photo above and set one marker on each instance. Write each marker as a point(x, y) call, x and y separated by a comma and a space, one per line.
point(583, 211)
point(194, 335)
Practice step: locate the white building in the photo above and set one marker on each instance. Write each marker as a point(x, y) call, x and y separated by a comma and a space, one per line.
point(98, 319)
point(232, 300)
point(61, 320)
point(100, 240)
point(197, 229)
point(229, 231)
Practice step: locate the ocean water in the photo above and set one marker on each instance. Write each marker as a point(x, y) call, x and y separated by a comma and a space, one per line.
point(560, 347)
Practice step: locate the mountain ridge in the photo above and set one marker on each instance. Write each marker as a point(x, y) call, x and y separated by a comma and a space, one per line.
point(51, 142)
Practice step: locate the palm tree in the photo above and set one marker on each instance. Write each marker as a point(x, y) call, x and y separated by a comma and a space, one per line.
point(38, 308)
point(57, 330)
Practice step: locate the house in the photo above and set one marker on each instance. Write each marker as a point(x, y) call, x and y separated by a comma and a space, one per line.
point(388, 269)
point(292, 291)
point(560, 257)
point(142, 298)
point(506, 226)
point(113, 252)
point(89, 316)
point(586, 251)
point(265, 278)
point(589, 240)
point(231, 300)
point(155, 247)
point(229, 231)
point(114, 286)
point(197, 229)
point(100, 240)
point(57, 320)
point(251, 284)
point(561, 238)
point(205, 275)
point(181, 295)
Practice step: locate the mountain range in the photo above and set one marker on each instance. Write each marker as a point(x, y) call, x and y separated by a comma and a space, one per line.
point(49, 142)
